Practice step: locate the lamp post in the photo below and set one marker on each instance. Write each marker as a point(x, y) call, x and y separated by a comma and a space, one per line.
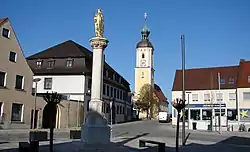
point(183, 86)
point(112, 100)
point(34, 112)
point(188, 109)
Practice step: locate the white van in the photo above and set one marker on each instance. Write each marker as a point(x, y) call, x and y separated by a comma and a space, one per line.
point(163, 116)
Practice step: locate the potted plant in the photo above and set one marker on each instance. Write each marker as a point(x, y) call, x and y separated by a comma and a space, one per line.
point(75, 133)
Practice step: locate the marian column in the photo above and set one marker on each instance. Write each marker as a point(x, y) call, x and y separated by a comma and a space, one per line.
point(96, 130)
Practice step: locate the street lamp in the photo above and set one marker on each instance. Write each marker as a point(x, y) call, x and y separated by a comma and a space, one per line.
point(188, 109)
point(36, 80)
point(112, 100)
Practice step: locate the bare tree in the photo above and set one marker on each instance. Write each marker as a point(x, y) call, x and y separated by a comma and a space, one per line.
point(52, 100)
point(146, 100)
point(179, 105)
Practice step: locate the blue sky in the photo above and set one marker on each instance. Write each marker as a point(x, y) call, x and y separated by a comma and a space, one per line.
point(216, 31)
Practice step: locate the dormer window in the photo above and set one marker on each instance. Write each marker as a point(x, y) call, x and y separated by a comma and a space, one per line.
point(51, 64)
point(69, 63)
point(231, 80)
point(39, 63)
point(6, 33)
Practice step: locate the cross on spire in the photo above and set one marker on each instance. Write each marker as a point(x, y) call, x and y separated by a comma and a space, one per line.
point(145, 17)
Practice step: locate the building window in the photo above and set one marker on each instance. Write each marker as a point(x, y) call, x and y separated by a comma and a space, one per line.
point(207, 97)
point(142, 56)
point(39, 63)
point(248, 79)
point(17, 110)
point(232, 96)
point(246, 95)
point(142, 75)
point(12, 56)
point(6, 33)
point(194, 97)
point(2, 79)
point(120, 94)
point(104, 89)
point(219, 96)
point(111, 90)
point(115, 92)
point(89, 84)
point(51, 64)
point(47, 83)
point(117, 109)
point(107, 108)
point(206, 114)
point(231, 80)
point(19, 82)
point(107, 90)
point(222, 81)
point(69, 63)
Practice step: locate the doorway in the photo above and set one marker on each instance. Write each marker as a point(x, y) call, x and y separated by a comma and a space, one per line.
point(51, 116)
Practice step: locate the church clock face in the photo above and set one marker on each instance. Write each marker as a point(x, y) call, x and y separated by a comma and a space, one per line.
point(143, 63)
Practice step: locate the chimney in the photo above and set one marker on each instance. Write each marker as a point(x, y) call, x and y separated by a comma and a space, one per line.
point(242, 60)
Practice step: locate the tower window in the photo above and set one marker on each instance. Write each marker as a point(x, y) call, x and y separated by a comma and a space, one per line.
point(142, 75)
point(143, 55)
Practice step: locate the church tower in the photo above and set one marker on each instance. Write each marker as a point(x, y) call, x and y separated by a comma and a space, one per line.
point(144, 70)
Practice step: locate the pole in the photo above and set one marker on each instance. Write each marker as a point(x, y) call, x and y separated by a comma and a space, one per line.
point(219, 103)
point(183, 86)
point(34, 113)
point(77, 116)
point(188, 111)
point(111, 117)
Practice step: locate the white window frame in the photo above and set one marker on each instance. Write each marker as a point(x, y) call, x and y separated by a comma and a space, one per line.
point(39, 65)
point(45, 83)
point(244, 98)
point(8, 33)
point(208, 97)
point(195, 100)
point(229, 96)
point(22, 81)
point(5, 79)
point(22, 111)
point(1, 108)
point(15, 56)
point(219, 96)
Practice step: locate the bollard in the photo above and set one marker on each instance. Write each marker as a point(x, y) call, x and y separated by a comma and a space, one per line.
point(34, 146)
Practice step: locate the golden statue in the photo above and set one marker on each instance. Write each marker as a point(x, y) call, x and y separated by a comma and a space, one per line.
point(99, 23)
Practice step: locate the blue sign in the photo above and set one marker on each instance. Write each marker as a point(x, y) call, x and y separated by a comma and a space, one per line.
point(205, 105)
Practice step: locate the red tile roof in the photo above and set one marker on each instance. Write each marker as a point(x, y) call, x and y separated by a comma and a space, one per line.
point(207, 78)
point(244, 74)
point(159, 93)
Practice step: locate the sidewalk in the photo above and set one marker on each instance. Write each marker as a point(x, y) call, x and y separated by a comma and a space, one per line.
point(60, 129)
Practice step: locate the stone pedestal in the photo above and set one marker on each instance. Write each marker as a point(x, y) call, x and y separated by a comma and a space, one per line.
point(95, 130)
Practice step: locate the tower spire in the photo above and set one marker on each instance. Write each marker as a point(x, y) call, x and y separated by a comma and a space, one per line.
point(145, 19)
point(145, 31)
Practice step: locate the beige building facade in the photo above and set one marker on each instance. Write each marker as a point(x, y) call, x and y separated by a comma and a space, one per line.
point(16, 80)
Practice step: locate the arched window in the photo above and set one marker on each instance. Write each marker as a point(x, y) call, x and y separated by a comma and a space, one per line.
point(143, 56)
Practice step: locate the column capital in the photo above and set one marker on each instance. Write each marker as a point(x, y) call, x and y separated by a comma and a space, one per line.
point(98, 43)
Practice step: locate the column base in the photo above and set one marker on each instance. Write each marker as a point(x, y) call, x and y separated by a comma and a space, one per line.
point(95, 130)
